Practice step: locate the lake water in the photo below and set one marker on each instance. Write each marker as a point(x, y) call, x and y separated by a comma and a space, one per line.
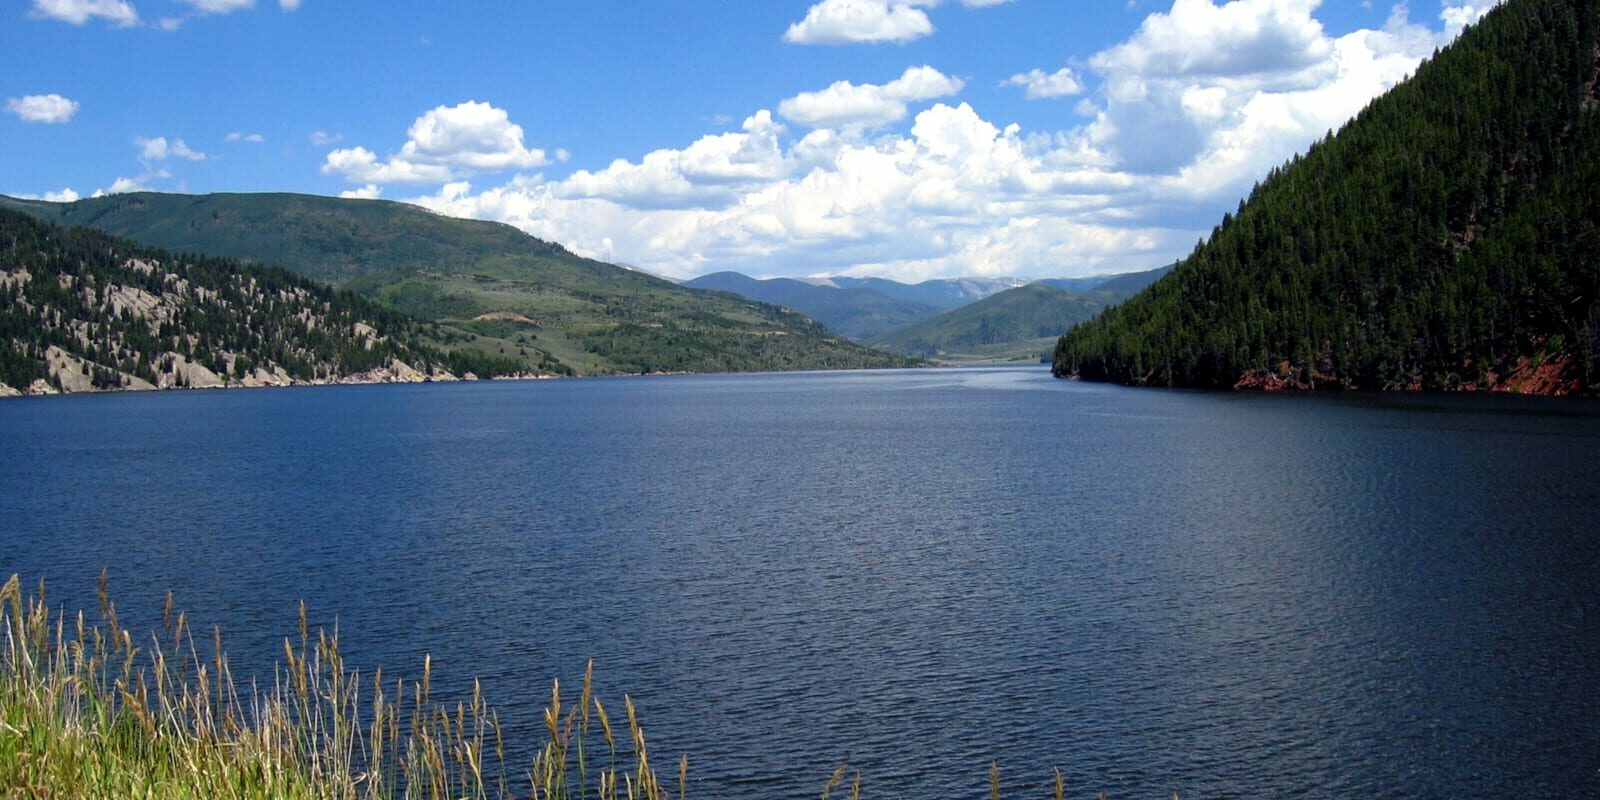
point(914, 572)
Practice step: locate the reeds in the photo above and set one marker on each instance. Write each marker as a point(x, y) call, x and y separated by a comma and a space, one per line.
point(86, 713)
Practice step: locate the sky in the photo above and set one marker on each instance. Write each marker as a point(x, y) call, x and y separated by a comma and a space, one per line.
point(908, 139)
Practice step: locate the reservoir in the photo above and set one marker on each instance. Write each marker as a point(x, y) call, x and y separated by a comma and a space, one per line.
point(918, 573)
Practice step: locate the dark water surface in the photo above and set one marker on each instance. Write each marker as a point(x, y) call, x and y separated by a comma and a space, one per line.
point(917, 573)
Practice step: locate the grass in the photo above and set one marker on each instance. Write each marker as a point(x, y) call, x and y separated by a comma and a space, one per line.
point(86, 713)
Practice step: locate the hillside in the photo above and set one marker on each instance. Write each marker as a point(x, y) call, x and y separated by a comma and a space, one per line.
point(855, 313)
point(481, 278)
point(1016, 324)
point(1446, 238)
point(82, 311)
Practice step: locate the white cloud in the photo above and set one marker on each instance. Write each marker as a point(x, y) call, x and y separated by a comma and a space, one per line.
point(848, 105)
point(323, 138)
point(159, 149)
point(141, 183)
point(869, 21)
point(66, 195)
point(1458, 17)
point(50, 109)
point(1245, 37)
point(78, 12)
point(288, 5)
point(237, 136)
point(1210, 97)
point(123, 186)
point(445, 143)
point(1040, 85)
point(368, 192)
point(360, 165)
point(858, 21)
point(955, 193)
point(712, 171)
point(220, 6)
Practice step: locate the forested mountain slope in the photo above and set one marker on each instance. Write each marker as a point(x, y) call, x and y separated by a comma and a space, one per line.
point(1446, 238)
point(82, 311)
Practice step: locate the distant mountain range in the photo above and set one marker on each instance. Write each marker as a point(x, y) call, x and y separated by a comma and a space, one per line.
point(957, 319)
point(486, 286)
point(858, 313)
point(942, 294)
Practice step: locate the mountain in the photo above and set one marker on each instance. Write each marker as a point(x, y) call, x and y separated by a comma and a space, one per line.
point(856, 313)
point(942, 293)
point(83, 311)
point(1016, 324)
point(1448, 237)
point(482, 279)
point(1131, 283)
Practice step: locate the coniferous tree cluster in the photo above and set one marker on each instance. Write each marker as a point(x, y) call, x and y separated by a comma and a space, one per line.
point(1446, 238)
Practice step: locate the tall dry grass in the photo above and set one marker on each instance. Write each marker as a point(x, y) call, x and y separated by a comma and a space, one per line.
point(88, 713)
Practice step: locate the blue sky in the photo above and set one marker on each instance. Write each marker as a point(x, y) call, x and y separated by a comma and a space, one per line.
point(902, 138)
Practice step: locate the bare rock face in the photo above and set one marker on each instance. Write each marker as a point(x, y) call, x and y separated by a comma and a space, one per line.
point(70, 372)
point(261, 376)
point(396, 371)
point(7, 391)
point(187, 373)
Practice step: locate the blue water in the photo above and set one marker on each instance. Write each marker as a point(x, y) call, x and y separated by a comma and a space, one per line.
point(918, 573)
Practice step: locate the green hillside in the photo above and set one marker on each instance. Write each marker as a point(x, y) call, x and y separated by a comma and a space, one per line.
point(1016, 324)
point(483, 279)
point(1446, 238)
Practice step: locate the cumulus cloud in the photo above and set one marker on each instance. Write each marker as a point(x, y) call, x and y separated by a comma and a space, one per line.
point(849, 105)
point(66, 195)
point(77, 12)
point(1212, 96)
point(1040, 85)
point(368, 192)
point(443, 144)
point(238, 136)
point(50, 109)
point(869, 21)
point(141, 183)
point(857, 21)
point(323, 138)
point(712, 171)
point(159, 149)
point(1177, 131)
